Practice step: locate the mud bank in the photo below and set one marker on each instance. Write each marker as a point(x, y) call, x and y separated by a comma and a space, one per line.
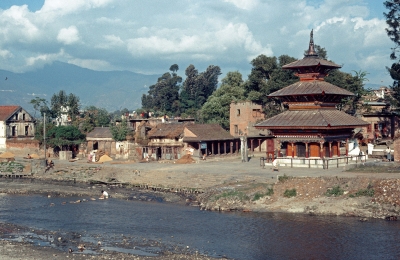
point(357, 197)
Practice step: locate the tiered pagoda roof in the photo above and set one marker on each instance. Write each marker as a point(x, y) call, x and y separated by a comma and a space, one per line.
point(312, 101)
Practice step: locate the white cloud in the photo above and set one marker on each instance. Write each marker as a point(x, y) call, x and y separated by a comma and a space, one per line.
point(111, 41)
point(16, 24)
point(42, 59)
point(68, 35)
point(243, 4)
point(149, 36)
point(91, 64)
point(63, 7)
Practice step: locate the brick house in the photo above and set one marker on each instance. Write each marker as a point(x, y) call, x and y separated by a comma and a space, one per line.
point(243, 116)
point(17, 128)
point(172, 140)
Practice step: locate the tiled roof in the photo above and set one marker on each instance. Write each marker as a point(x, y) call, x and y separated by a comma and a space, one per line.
point(7, 111)
point(166, 130)
point(311, 61)
point(100, 132)
point(207, 132)
point(312, 119)
point(312, 87)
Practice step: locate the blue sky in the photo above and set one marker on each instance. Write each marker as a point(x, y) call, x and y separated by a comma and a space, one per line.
point(148, 36)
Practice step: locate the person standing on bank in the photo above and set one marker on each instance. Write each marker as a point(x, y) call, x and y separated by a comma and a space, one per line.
point(388, 154)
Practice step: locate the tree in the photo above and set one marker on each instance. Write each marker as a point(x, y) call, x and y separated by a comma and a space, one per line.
point(64, 136)
point(216, 109)
point(266, 77)
point(40, 105)
point(94, 117)
point(120, 131)
point(62, 102)
point(393, 31)
point(163, 95)
point(197, 88)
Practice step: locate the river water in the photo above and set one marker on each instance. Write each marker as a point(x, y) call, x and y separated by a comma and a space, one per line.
point(120, 224)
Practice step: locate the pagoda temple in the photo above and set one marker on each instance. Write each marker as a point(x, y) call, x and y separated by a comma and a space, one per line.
point(312, 126)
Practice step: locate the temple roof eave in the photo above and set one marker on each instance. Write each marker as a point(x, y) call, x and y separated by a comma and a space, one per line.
point(313, 87)
point(312, 119)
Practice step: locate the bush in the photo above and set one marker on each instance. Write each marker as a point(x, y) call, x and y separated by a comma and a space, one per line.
point(283, 178)
point(335, 191)
point(365, 192)
point(290, 193)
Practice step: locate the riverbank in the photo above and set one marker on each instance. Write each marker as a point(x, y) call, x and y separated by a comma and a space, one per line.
point(222, 185)
point(227, 184)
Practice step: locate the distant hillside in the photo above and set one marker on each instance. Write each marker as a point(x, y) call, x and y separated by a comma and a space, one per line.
point(107, 89)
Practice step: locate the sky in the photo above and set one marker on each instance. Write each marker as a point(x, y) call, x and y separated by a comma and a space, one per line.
point(149, 36)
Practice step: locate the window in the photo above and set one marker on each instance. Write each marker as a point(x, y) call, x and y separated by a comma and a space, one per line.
point(238, 112)
point(256, 112)
point(23, 116)
point(236, 129)
point(26, 130)
point(14, 131)
point(16, 116)
point(369, 128)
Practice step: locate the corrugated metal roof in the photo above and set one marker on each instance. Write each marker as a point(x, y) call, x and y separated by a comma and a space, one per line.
point(317, 119)
point(313, 87)
point(100, 132)
point(207, 132)
point(311, 61)
point(7, 111)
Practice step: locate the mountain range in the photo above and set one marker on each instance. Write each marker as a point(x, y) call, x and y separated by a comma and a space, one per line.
point(112, 90)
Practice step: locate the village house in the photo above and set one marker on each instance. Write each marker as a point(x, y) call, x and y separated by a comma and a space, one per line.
point(377, 111)
point(17, 129)
point(312, 127)
point(168, 141)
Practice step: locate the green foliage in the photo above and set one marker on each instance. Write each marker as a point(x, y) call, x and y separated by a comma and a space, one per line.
point(393, 32)
point(69, 103)
point(283, 178)
point(120, 131)
point(197, 88)
point(40, 105)
point(266, 77)
point(368, 192)
point(352, 83)
point(258, 195)
point(63, 136)
point(94, 117)
point(11, 167)
point(335, 191)
point(232, 193)
point(39, 131)
point(163, 95)
point(216, 109)
point(290, 193)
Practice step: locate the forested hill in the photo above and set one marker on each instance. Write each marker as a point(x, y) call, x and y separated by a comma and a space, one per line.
point(111, 90)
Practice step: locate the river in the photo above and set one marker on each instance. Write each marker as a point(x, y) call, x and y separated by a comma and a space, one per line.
point(123, 226)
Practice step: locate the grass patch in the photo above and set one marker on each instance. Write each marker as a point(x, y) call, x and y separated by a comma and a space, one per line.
point(258, 195)
point(283, 178)
point(290, 193)
point(232, 193)
point(335, 191)
point(368, 192)
point(376, 169)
